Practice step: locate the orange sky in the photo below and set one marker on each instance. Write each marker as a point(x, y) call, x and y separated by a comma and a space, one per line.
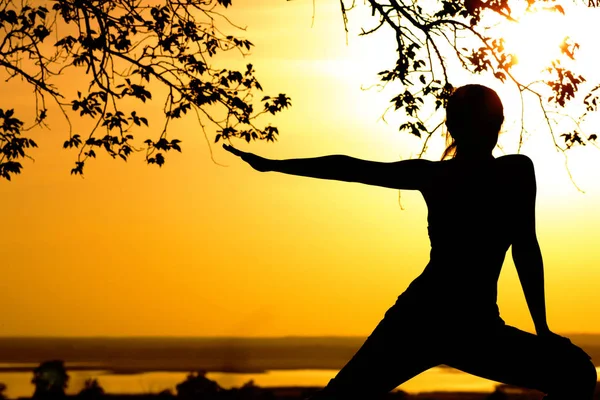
point(195, 248)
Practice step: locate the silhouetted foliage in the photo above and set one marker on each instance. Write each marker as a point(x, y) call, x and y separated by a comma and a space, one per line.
point(166, 394)
point(50, 379)
point(127, 52)
point(2, 391)
point(431, 36)
point(123, 48)
point(91, 389)
point(250, 391)
point(197, 385)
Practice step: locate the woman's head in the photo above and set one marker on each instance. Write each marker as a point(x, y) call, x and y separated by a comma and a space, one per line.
point(474, 115)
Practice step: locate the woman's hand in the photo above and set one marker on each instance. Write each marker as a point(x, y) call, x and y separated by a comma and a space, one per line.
point(258, 163)
point(550, 336)
point(560, 342)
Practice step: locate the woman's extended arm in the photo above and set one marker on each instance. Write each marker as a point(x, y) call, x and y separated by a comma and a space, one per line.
point(408, 174)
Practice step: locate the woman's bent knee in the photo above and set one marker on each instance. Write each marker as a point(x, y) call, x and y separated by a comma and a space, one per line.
point(583, 372)
point(589, 377)
point(578, 377)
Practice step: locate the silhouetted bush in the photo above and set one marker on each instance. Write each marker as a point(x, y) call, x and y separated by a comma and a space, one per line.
point(250, 391)
point(50, 379)
point(166, 394)
point(91, 389)
point(198, 386)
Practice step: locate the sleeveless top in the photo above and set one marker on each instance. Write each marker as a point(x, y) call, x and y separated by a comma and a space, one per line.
point(470, 217)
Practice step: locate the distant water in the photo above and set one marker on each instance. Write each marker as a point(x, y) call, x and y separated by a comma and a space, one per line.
point(288, 361)
point(435, 379)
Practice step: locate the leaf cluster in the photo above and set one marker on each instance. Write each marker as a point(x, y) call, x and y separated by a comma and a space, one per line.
point(13, 146)
point(127, 52)
point(433, 36)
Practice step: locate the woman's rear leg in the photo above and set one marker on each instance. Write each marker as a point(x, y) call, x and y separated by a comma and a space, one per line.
point(395, 352)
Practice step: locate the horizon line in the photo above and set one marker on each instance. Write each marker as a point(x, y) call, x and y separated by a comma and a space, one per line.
point(223, 337)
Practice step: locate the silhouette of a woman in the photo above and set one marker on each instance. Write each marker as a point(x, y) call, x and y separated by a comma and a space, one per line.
point(478, 206)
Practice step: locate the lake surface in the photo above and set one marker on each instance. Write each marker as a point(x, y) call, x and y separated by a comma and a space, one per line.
point(435, 379)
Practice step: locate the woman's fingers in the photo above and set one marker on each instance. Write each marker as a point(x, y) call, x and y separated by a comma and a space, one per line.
point(232, 150)
point(256, 162)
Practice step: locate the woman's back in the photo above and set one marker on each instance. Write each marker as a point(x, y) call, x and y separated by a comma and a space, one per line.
point(473, 210)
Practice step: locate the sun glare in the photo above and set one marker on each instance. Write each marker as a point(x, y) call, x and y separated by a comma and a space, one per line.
point(535, 40)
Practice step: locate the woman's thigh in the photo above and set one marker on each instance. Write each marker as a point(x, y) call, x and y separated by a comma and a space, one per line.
point(401, 347)
point(509, 355)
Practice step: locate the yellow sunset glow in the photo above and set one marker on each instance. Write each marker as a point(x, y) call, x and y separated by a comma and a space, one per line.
point(203, 248)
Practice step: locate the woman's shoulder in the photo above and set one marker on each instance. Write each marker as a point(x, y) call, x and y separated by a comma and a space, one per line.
point(519, 163)
point(515, 159)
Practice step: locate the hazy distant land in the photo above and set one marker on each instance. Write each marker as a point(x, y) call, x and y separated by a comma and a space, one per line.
point(145, 354)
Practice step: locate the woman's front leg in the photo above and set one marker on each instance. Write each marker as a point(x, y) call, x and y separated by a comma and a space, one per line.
point(509, 355)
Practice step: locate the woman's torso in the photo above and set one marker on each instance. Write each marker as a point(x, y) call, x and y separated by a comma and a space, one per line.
point(471, 213)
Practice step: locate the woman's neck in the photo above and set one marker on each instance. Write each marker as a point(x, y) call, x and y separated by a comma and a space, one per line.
point(474, 157)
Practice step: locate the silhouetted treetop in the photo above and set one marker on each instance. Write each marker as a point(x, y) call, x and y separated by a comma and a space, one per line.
point(91, 389)
point(435, 37)
point(50, 379)
point(124, 53)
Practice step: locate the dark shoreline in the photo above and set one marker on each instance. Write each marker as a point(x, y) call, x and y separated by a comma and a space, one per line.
point(133, 355)
point(112, 370)
point(133, 371)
